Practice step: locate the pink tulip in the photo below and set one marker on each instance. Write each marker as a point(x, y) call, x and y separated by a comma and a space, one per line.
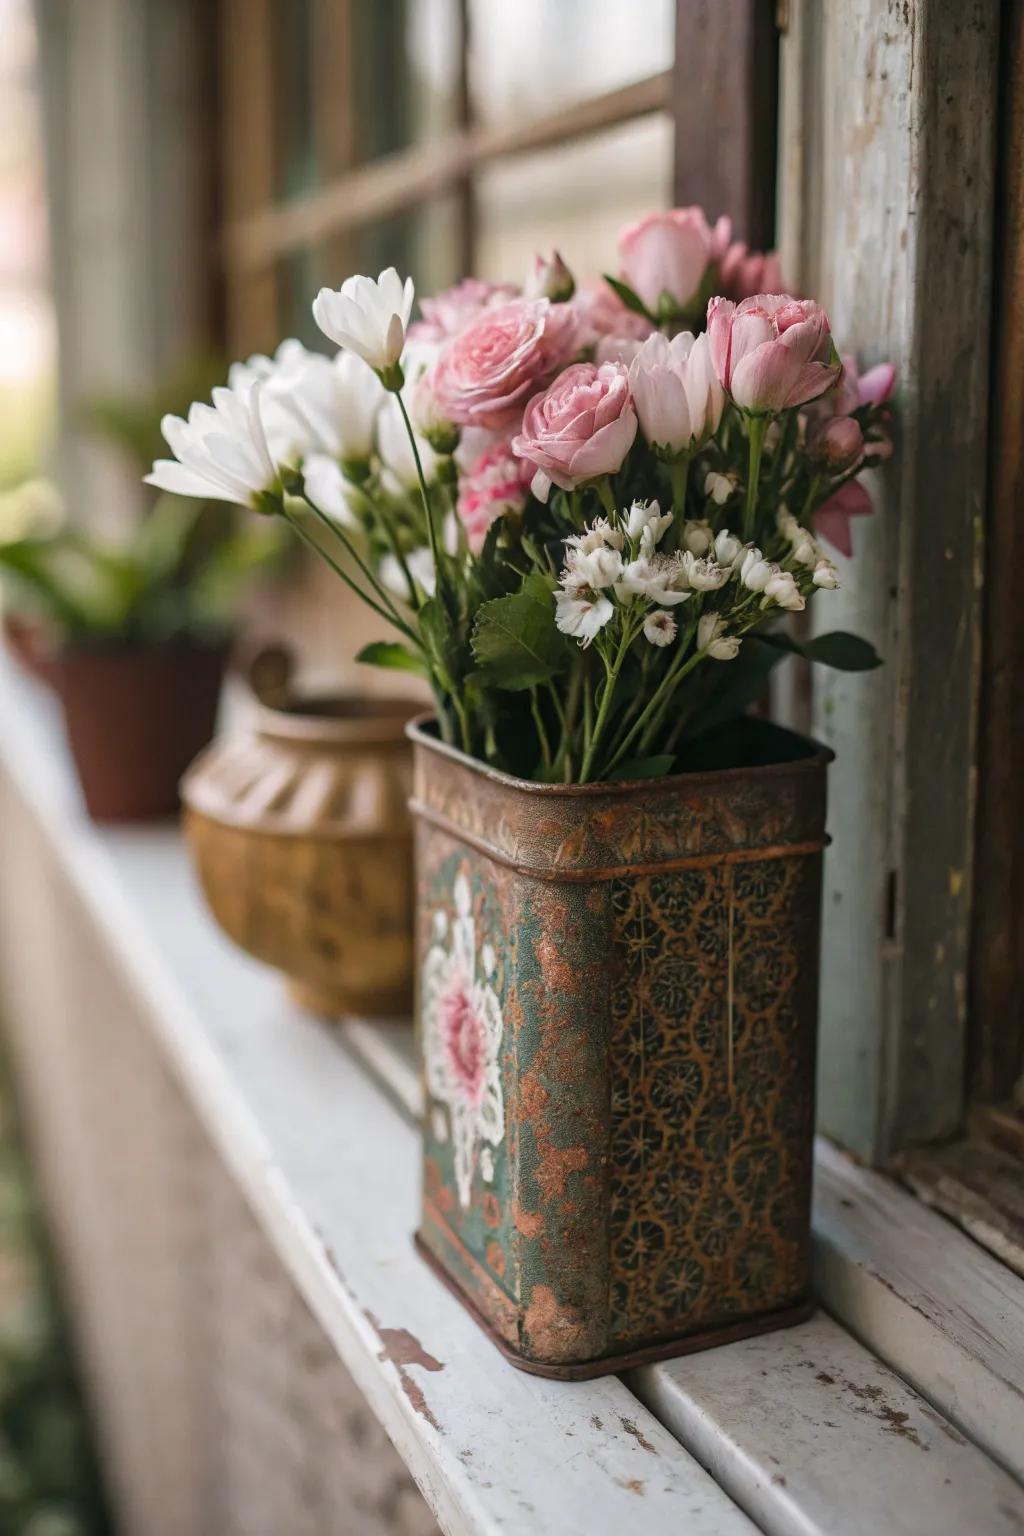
point(666, 253)
point(771, 352)
point(855, 390)
point(500, 358)
point(495, 485)
point(581, 427)
point(832, 519)
point(676, 393)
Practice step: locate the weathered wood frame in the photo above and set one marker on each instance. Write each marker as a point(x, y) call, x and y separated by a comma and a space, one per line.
point(886, 179)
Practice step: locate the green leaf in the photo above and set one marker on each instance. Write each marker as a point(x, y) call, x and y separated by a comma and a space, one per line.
point(644, 767)
point(439, 641)
point(631, 300)
point(392, 654)
point(744, 682)
point(838, 649)
point(515, 642)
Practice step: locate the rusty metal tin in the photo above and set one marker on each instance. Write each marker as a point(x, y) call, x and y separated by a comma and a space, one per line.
point(618, 1006)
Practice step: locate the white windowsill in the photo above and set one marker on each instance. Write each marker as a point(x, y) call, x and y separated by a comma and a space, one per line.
point(328, 1160)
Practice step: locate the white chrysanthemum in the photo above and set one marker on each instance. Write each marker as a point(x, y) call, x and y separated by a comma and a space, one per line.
point(332, 403)
point(581, 616)
point(659, 578)
point(328, 489)
point(367, 317)
point(220, 452)
point(660, 627)
point(702, 574)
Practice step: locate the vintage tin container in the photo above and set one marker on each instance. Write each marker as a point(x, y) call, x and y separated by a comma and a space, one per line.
point(618, 989)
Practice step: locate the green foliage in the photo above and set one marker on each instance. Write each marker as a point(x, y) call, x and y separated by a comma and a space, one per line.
point(132, 421)
point(393, 656)
point(179, 576)
point(48, 1476)
point(515, 642)
point(838, 649)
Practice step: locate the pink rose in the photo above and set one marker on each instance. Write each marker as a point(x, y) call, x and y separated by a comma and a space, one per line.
point(581, 427)
point(500, 358)
point(602, 317)
point(447, 312)
point(666, 253)
point(495, 485)
point(771, 352)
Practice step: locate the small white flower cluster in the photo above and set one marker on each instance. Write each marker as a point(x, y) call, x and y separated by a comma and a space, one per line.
point(615, 564)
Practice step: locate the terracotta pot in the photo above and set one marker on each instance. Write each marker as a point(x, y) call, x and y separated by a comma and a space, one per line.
point(135, 719)
point(28, 643)
point(618, 1007)
point(301, 834)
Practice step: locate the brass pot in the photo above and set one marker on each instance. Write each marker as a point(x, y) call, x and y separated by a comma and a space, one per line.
point(302, 839)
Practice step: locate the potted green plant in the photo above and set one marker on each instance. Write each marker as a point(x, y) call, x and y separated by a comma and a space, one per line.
point(589, 517)
point(134, 637)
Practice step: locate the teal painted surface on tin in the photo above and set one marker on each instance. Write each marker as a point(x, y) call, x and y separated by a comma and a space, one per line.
point(618, 995)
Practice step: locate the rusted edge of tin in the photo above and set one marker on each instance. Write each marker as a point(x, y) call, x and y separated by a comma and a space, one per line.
point(589, 874)
point(667, 783)
point(612, 1365)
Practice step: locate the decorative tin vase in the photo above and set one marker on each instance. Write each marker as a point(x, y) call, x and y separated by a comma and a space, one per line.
point(618, 1004)
point(301, 835)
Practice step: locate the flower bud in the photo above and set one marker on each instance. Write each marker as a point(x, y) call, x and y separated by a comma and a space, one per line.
point(550, 279)
point(718, 487)
point(781, 588)
point(727, 548)
point(825, 575)
point(711, 637)
point(755, 571)
point(836, 444)
point(697, 537)
point(441, 434)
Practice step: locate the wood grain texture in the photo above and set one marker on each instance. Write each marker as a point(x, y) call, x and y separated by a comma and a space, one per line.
point(933, 1305)
point(809, 1432)
point(887, 189)
point(725, 105)
point(393, 182)
point(978, 1187)
point(997, 951)
point(329, 1168)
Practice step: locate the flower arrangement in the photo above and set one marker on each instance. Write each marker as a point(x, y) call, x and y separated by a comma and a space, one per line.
point(586, 512)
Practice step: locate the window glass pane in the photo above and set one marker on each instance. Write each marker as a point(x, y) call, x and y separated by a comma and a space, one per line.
point(573, 199)
point(528, 57)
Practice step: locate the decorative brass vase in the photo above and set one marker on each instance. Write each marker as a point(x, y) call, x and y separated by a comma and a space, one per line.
point(618, 1003)
point(301, 835)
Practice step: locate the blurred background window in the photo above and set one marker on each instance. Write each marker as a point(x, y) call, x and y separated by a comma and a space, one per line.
point(27, 328)
point(442, 136)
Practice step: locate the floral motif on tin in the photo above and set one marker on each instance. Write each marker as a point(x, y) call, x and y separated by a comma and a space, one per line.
point(462, 1029)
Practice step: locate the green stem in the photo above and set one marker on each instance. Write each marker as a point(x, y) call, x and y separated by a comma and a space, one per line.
point(675, 675)
point(428, 513)
point(338, 532)
point(603, 487)
point(757, 426)
point(611, 677)
point(542, 735)
point(679, 474)
point(318, 549)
